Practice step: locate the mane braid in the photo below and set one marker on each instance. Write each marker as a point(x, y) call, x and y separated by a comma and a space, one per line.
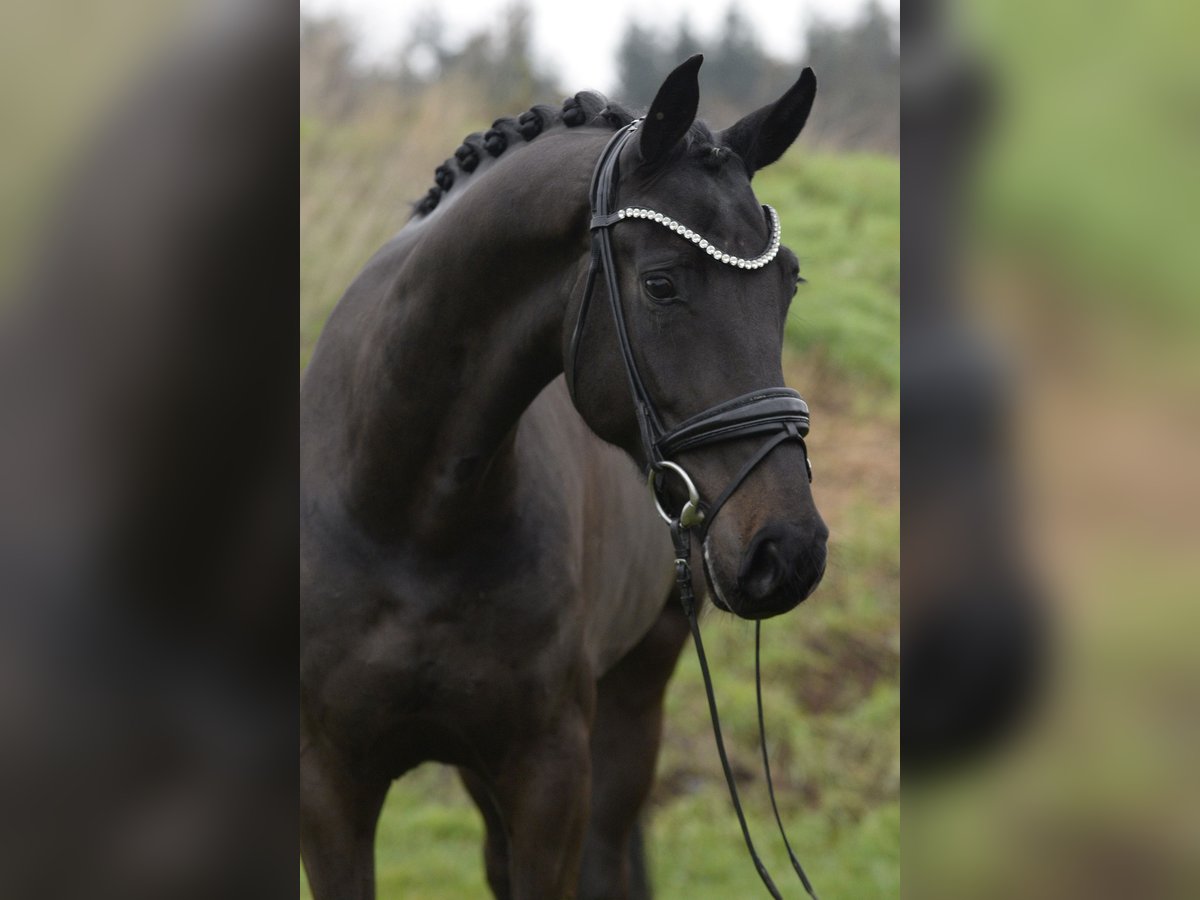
point(585, 108)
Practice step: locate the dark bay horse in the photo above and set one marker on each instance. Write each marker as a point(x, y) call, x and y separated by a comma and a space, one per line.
point(484, 580)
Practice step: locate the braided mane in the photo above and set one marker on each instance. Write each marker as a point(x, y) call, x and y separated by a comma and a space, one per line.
point(585, 108)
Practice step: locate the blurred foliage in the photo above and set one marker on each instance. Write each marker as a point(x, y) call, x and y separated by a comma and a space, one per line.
point(841, 215)
point(858, 70)
point(1090, 170)
point(857, 66)
point(498, 68)
point(736, 72)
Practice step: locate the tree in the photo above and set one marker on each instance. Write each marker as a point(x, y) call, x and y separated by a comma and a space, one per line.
point(499, 66)
point(858, 68)
point(641, 65)
point(686, 42)
point(327, 78)
point(738, 63)
point(424, 55)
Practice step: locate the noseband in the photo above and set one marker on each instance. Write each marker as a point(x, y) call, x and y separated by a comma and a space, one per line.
point(780, 414)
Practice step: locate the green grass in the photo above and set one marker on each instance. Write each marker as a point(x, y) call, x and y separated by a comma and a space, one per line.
point(1088, 173)
point(831, 668)
point(841, 215)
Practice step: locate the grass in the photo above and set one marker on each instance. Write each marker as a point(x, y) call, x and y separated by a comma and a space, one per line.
point(841, 214)
point(831, 668)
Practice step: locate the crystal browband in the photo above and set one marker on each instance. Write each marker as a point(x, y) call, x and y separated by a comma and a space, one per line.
point(634, 212)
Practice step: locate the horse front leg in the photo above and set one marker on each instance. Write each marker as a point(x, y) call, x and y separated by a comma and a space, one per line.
point(495, 843)
point(339, 809)
point(543, 793)
point(625, 742)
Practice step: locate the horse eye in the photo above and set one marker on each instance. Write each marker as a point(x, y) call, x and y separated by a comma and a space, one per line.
point(659, 287)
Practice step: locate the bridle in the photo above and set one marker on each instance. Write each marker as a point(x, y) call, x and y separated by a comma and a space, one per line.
point(779, 414)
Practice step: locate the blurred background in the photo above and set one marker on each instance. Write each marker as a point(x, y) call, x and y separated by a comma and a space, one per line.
point(147, 449)
point(387, 91)
point(1051, 424)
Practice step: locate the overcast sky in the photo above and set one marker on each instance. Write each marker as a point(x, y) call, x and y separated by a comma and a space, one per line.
point(576, 40)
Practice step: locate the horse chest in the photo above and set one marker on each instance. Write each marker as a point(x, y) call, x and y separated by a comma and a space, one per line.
point(408, 651)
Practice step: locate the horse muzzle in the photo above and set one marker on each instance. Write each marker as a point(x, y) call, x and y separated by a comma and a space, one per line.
point(780, 568)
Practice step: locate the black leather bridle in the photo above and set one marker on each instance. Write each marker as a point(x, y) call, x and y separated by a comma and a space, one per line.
point(778, 413)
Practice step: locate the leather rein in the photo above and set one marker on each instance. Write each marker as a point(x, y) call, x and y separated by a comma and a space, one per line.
point(779, 414)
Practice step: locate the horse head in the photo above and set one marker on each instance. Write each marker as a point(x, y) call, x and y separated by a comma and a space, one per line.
point(686, 374)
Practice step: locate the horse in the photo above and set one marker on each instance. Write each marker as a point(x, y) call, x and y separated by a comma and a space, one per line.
point(484, 581)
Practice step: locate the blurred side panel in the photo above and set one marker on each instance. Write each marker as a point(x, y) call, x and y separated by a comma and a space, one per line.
point(1051, 686)
point(147, 449)
point(974, 622)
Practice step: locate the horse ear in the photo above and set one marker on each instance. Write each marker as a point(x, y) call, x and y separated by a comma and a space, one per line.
point(672, 112)
point(761, 137)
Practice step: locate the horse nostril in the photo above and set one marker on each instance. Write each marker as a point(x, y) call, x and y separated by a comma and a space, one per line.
point(763, 569)
point(782, 563)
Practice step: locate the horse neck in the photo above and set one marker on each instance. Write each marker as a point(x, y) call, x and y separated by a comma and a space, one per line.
point(456, 330)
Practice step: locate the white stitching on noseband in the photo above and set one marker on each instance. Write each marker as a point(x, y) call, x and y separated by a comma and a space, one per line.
point(635, 212)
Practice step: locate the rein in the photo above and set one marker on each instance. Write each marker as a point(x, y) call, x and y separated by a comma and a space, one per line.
point(779, 413)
